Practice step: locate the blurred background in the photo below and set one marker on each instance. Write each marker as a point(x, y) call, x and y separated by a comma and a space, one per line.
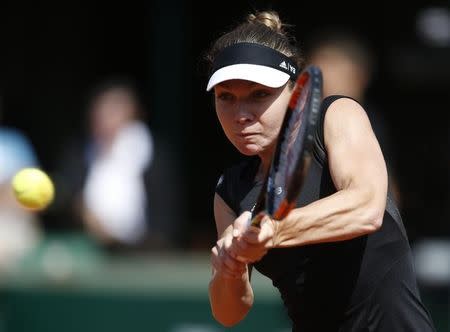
point(109, 98)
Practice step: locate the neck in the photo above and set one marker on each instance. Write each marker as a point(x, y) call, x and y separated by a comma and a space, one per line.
point(263, 168)
point(265, 158)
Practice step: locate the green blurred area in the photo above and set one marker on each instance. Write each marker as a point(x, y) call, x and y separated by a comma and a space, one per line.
point(68, 284)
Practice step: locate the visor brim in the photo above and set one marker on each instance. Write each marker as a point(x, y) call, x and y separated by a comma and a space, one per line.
point(264, 75)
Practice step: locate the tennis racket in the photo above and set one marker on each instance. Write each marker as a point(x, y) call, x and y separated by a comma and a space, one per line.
point(289, 166)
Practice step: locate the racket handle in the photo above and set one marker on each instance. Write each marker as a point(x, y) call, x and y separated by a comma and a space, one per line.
point(256, 220)
point(283, 210)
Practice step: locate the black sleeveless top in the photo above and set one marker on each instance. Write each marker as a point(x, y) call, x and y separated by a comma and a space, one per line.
point(336, 286)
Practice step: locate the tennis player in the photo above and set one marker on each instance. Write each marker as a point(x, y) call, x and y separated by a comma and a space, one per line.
point(341, 260)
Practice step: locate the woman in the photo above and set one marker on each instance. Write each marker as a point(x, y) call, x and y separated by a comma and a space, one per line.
point(341, 259)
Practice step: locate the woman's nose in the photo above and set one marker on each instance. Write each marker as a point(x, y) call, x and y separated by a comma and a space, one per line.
point(244, 114)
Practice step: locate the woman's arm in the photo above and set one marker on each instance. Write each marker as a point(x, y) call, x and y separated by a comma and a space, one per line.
point(230, 292)
point(359, 174)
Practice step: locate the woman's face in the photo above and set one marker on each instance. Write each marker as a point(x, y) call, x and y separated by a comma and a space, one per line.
point(110, 111)
point(251, 114)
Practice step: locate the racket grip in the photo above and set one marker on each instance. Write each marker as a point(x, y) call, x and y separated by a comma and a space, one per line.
point(256, 220)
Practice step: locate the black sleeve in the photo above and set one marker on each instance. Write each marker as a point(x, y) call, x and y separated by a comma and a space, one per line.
point(224, 188)
point(235, 182)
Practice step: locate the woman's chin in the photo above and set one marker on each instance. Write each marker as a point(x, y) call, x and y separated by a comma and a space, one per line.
point(249, 150)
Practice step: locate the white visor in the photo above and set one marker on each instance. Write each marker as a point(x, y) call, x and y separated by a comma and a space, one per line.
point(264, 75)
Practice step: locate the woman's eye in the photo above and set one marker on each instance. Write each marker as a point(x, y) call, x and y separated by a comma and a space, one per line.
point(260, 94)
point(225, 96)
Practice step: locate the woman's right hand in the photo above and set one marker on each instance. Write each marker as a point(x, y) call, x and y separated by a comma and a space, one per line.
point(223, 263)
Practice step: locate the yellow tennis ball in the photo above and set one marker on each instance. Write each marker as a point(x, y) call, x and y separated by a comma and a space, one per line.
point(33, 188)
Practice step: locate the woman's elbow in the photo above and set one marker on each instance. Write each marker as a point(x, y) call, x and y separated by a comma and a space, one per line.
point(377, 222)
point(373, 204)
point(374, 219)
point(227, 317)
point(226, 320)
point(232, 313)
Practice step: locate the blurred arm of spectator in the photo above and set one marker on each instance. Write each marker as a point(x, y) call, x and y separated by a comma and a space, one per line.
point(347, 65)
point(19, 229)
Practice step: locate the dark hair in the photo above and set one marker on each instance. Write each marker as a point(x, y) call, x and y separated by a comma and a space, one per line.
point(264, 28)
point(122, 83)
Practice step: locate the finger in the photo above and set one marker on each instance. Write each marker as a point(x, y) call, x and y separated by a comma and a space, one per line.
point(227, 241)
point(226, 266)
point(241, 223)
point(267, 232)
point(256, 221)
point(238, 253)
point(251, 236)
point(233, 249)
point(268, 221)
point(214, 253)
point(263, 235)
point(232, 264)
point(215, 262)
point(245, 251)
point(238, 249)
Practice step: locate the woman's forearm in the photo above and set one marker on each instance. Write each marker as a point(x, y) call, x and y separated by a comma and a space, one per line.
point(230, 299)
point(344, 215)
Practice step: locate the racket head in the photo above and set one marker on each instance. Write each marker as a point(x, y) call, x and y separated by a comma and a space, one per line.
point(289, 164)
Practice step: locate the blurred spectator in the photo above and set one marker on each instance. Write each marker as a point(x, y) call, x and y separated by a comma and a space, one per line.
point(347, 65)
point(102, 177)
point(113, 197)
point(19, 229)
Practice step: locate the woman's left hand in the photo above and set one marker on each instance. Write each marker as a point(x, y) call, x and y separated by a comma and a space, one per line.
point(251, 243)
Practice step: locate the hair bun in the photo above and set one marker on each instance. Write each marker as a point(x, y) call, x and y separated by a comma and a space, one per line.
point(268, 18)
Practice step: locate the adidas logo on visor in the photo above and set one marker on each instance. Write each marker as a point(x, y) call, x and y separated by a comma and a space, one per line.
point(287, 66)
